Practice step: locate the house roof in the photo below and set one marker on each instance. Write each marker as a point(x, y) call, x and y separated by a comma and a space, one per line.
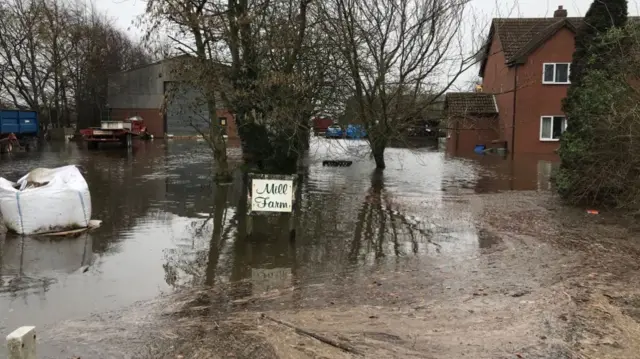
point(168, 59)
point(521, 36)
point(470, 103)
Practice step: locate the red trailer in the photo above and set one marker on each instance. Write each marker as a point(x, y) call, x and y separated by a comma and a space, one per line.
point(320, 125)
point(114, 131)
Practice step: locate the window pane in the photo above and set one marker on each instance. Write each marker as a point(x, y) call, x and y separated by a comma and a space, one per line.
point(558, 127)
point(548, 73)
point(562, 72)
point(545, 131)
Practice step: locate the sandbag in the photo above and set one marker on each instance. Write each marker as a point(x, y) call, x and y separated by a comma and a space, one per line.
point(46, 200)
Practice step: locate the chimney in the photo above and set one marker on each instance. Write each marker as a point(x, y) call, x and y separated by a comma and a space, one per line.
point(561, 12)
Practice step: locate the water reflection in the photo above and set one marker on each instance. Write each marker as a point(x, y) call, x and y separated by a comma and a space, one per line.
point(525, 172)
point(195, 259)
point(345, 229)
point(166, 227)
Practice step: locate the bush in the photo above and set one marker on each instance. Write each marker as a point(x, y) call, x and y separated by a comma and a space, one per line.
point(600, 150)
point(601, 16)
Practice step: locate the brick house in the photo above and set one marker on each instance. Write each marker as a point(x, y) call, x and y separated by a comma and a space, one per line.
point(143, 92)
point(472, 119)
point(525, 68)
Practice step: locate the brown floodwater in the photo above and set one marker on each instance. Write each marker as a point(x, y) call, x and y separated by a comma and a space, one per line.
point(166, 227)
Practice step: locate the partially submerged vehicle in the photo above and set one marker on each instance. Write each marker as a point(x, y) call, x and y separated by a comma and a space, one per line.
point(18, 128)
point(114, 132)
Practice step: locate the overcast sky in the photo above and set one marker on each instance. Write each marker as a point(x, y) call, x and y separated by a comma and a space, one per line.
point(124, 12)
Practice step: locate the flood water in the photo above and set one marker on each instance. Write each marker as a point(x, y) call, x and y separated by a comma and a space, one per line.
point(166, 227)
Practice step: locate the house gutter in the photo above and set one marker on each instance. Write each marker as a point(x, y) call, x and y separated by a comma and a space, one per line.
point(513, 119)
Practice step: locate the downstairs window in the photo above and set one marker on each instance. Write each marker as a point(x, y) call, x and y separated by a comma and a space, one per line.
point(552, 127)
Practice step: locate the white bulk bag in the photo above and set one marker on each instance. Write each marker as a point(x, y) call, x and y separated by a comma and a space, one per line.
point(63, 203)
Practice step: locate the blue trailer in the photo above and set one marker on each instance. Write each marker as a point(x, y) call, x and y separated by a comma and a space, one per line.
point(18, 127)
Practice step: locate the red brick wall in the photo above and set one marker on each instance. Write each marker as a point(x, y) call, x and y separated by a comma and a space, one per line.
point(526, 172)
point(465, 134)
point(498, 79)
point(232, 130)
point(533, 99)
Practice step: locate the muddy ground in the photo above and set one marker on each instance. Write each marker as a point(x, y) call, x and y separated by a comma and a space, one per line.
point(550, 282)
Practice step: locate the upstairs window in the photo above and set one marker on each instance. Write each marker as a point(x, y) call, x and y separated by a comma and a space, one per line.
point(552, 127)
point(556, 73)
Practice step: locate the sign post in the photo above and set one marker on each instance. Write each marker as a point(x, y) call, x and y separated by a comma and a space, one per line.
point(271, 195)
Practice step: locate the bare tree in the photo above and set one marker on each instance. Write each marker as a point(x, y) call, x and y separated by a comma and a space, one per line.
point(194, 31)
point(262, 60)
point(55, 58)
point(21, 49)
point(401, 56)
point(99, 49)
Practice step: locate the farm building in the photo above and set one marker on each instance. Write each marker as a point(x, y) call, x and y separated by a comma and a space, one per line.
point(169, 105)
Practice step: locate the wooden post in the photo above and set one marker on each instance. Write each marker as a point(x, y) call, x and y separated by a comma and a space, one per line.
point(249, 221)
point(21, 344)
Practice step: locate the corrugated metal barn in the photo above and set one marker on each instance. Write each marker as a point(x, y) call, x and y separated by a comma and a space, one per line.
point(143, 92)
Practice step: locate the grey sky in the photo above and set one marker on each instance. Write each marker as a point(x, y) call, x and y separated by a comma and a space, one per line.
point(538, 8)
point(124, 12)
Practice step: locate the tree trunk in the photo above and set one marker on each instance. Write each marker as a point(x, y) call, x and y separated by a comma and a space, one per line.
point(217, 144)
point(216, 138)
point(378, 156)
point(222, 173)
point(303, 132)
point(240, 127)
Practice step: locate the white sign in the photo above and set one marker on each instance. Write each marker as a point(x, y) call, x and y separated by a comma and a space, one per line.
point(271, 195)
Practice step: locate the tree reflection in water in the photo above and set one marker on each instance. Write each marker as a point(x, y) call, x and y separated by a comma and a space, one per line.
point(332, 231)
point(379, 220)
point(197, 265)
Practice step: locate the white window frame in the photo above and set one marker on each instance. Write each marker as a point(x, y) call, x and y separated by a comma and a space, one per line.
point(544, 65)
point(552, 117)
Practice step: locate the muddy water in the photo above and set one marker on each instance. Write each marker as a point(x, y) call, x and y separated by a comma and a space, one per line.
point(165, 227)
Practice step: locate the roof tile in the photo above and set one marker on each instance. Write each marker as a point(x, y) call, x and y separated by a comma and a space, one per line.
point(519, 35)
point(515, 34)
point(468, 103)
